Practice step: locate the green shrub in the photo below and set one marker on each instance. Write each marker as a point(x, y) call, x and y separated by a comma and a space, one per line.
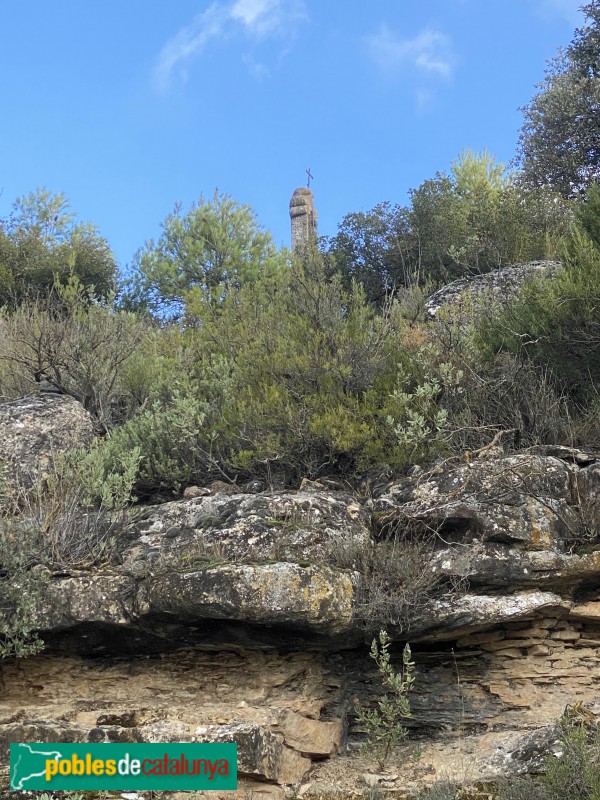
point(521, 788)
point(441, 790)
point(163, 447)
point(21, 588)
point(97, 485)
point(383, 724)
point(79, 346)
point(321, 383)
point(283, 378)
point(576, 772)
point(555, 321)
point(419, 418)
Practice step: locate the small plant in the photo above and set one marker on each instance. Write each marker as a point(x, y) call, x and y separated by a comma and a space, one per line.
point(20, 589)
point(396, 576)
point(522, 788)
point(163, 447)
point(383, 724)
point(70, 795)
point(575, 773)
point(441, 790)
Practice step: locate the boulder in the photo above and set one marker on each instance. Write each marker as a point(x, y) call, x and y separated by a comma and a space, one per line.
point(226, 604)
point(503, 567)
point(310, 598)
point(245, 528)
point(498, 286)
point(36, 429)
point(447, 620)
point(522, 499)
point(261, 753)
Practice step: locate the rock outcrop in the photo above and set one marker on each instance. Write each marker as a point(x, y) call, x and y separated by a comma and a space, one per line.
point(229, 618)
point(498, 286)
point(34, 431)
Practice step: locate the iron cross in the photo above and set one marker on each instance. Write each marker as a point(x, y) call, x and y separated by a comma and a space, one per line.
point(310, 176)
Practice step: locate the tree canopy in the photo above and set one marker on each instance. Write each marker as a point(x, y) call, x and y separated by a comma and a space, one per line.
point(474, 218)
point(201, 256)
point(560, 139)
point(41, 242)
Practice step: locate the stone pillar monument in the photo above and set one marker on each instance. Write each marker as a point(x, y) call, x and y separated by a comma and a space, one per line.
point(303, 217)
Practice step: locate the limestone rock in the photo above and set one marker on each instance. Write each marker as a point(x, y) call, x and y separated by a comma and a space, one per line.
point(313, 736)
point(301, 526)
point(190, 492)
point(253, 699)
point(260, 753)
point(222, 619)
point(221, 604)
point(583, 458)
point(308, 598)
point(34, 430)
point(499, 285)
point(524, 499)
point(311, 486)
point(447, 620)
point(527, 755)
point(95, 599)
point(501, 566)
point(227, 562)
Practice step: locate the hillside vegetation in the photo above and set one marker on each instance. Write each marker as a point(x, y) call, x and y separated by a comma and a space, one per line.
point(220, 356)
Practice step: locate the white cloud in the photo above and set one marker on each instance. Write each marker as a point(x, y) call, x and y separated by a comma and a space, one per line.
point(429, 52)
point(260, 17)
point(190, 41)
point(254, 20)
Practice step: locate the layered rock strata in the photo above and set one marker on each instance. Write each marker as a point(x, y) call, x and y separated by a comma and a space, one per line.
point(229, 618)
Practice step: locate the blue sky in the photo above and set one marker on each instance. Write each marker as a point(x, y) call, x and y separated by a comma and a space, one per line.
point(129, 106)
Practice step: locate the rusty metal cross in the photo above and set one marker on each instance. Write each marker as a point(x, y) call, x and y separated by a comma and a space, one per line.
point(310, 177)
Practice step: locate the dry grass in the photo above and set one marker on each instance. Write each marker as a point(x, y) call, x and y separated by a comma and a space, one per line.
point(396, 577)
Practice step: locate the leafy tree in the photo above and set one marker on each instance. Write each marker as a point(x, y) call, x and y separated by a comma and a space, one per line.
point(41, 243)
point(440, 220)
point(461, 218)
point(588, 213)
point(531, 224)
point(584, 50)
point(476, 218)
point(200, 257)
point(377, 249)
point(555, 321)
point(560, 139)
